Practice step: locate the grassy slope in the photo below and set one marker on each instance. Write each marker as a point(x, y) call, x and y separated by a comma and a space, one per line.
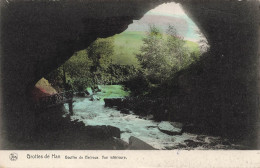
point(112, 91)
point(127, 44)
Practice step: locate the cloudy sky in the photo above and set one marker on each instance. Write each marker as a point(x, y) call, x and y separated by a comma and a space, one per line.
point(165, 14)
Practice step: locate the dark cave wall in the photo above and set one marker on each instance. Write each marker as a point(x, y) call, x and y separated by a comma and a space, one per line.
point(37, 37)
point(225, 90)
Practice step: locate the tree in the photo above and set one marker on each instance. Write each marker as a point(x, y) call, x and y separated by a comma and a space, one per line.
point(177, 55)
point(152, 56)
point(100, 52)
point(162, 55)
point(77, 70)
point(92, 66)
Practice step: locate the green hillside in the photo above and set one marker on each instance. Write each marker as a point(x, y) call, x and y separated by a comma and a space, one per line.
point(128, 43)
point(112, 91)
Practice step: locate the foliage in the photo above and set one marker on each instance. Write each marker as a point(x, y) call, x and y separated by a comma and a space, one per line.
point(78, 66)
point(91, 67)
point(138, 84)
point(100, 52)
point(110, 61)
point(55, 78)
point(128, 44)
point(152, 56)
point(176, 53)
point(120, 73)
point(160, 57)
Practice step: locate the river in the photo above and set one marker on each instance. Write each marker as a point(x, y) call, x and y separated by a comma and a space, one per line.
point(95, 113)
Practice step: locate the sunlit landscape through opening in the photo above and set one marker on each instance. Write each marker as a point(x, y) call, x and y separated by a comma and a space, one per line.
point(127, 81)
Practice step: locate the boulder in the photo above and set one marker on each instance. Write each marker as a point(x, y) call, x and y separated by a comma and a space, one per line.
point(177, 124)
point(97, 89)
point(193, 144)
point(178, 146)
point(168, 128)
point(110, 102)
point(94, 97)
point(125, 111)
point(89, 91)
point(42, 89)
point(103, 131)
point(210, 140)
point(148, 117)
point(215, 141)
point(126, 131)
point(121, 143)
point(137, 144)
point(201, 138)
point(81, 94)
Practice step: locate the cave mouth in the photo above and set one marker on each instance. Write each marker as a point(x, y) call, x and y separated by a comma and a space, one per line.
point(209, 91)
point(114, 69)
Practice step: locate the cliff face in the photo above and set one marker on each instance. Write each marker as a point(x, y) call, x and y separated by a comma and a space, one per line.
point(37, 37)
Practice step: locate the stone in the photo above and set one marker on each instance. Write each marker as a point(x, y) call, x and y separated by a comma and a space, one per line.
point(177, 124)
point(151, 126)
point(125, 111)
point(89, 91)
point(178, 146)
point(126, 131)
point(138, 144)
point(98, 89)
point(94, 97)
point(110, 102)
point(201, 137)
point(121, 143)
point(149, 117)
point(168, 128)
point(217, 140)
point(213, 140)
point(81, 94)
point(193, 144)
point(103, 131)
point(226, 142)
point(209, 140)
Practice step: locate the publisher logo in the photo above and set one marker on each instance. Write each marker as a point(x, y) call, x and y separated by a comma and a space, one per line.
point(13, 156)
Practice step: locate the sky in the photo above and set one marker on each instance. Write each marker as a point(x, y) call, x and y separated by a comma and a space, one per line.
point(168, 9)
point(173, 12)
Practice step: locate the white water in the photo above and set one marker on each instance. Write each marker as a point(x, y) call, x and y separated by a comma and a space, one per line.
point(95, 113)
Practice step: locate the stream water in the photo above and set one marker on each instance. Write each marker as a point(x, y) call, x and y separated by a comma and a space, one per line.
point(95, 113)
